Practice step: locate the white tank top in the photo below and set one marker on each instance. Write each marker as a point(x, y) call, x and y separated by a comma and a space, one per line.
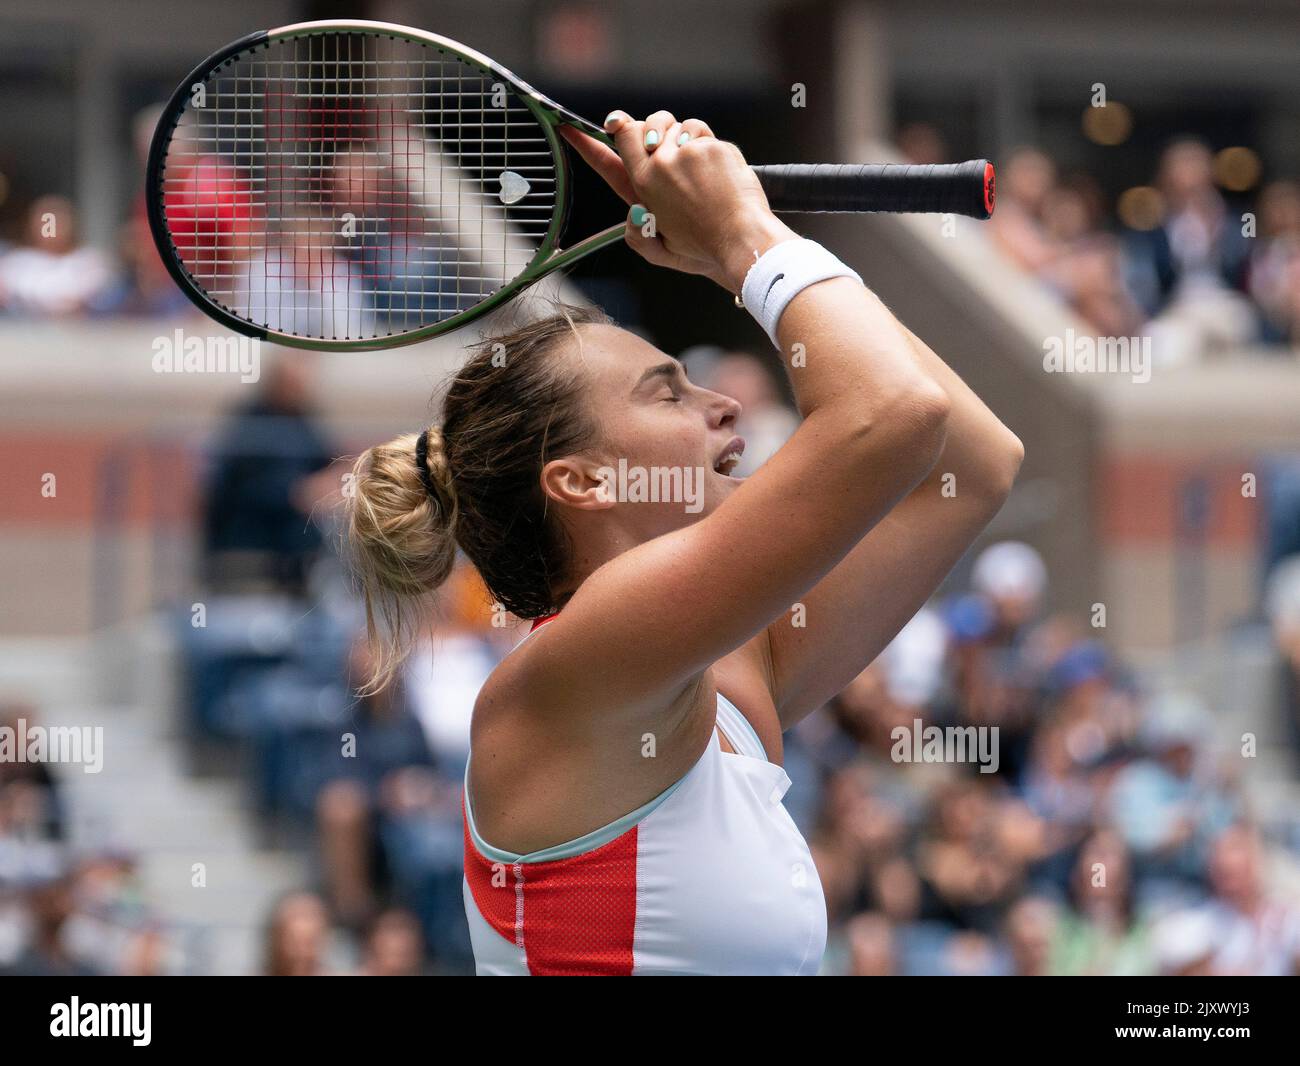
point(710, 877)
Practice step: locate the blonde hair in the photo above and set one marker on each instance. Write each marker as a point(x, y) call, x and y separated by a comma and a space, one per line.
point(509, 410)
point(403, 541)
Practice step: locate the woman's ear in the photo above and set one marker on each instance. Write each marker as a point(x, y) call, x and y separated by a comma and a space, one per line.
point(580, 483)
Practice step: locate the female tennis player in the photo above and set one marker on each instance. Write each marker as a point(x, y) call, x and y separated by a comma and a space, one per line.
point(623, 799)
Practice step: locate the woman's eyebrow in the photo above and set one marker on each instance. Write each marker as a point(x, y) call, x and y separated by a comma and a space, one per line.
point(670, 369)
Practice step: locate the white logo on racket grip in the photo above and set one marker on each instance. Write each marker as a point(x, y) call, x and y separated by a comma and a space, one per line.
point(179, 354)
point(514, 187)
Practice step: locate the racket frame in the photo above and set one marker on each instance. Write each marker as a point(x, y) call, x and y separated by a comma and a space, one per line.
point(548, 257)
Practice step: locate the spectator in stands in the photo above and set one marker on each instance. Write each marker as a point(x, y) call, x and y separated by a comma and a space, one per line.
point(1024, 183)
point(989, 631)
point(1282, 606)
point(1072, 210)
point(921, 144)
point(1012, 578)
point(1273, 270)
point(1190, 269)
point(1027, 936)
point(1253, 931)
point(297, 937)
point(30, 804)
point(110, 928)
point(1092, 278)
point(394, 946)
point(260, 492)
point(291, 284)
point(871, 947)
point(968, 880)
point(141, 285)
point(386, 743)
point(50, 904)
point(50, 274)
point(366, 181)
point(1182, 944)
point(1100, 933)
point(1058, 787)
point(1165, 805)
point(1090, 699)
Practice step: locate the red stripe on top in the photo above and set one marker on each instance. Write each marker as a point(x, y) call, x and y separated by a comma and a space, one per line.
point(579, 914)
point(542, 621)
point(492, 884)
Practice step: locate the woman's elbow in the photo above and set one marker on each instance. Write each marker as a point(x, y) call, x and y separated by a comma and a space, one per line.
point(906, 431)
point(1005, 457)
point(927, 408)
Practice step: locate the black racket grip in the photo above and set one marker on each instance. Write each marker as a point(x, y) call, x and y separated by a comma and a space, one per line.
point(935, 188)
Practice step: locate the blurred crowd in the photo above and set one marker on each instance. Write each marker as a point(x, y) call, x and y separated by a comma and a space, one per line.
point(394, 265)
point(65, 908)
point(1114, 837)
point(1198, 270)
point(1203, 259)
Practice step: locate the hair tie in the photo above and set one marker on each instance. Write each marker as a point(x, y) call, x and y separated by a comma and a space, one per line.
point(422, 464)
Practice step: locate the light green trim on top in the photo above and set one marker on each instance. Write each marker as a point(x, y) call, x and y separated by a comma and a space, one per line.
point(597, 838)
point(744, 724)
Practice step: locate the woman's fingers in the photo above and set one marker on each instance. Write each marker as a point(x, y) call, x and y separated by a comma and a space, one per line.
point(698, 198)
point(656, 129)
point(692, 129)
point(641, 236)
point(603, 160)
point(629, 140)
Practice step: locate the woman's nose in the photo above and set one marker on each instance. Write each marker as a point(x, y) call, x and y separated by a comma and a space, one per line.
point(727, 410)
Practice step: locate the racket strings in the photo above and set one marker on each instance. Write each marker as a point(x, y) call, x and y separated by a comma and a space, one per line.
point(351, 186)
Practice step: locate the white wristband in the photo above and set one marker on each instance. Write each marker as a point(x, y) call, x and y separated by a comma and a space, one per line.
point(782, 273)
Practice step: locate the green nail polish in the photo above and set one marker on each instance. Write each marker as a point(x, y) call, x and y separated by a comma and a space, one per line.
point(611, 118)
point(639, 214)
point(682, 138)
point(651, 138)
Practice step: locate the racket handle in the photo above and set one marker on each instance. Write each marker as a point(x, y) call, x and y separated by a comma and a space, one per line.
point(937, 188)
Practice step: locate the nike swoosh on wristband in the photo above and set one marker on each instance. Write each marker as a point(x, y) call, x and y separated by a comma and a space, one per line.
point(776, 279)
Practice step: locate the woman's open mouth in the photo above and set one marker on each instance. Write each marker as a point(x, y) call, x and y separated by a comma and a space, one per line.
point(730, 457)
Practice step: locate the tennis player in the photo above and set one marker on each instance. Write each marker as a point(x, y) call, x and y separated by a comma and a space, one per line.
point(623, 800)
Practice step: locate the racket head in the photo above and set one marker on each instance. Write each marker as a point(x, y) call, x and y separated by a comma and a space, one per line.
point(262, 149)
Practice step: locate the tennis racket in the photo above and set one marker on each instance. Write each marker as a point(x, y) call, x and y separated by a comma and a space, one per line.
point(357, 185)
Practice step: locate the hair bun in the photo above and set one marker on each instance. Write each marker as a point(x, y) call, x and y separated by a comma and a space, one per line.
point(401, 532)
point(434, 470)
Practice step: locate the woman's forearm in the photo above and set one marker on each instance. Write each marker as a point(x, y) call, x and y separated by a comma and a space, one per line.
point(847, 353)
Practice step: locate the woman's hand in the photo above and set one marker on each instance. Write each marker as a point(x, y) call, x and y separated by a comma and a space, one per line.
point(708, 214)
